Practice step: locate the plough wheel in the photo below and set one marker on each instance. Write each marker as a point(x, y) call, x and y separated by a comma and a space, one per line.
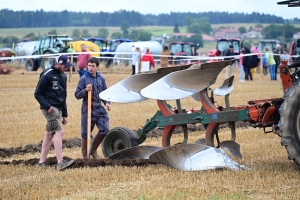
point(290, 122)
point(117, 139)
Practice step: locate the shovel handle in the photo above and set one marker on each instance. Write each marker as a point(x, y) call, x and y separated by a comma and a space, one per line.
point(89, 119)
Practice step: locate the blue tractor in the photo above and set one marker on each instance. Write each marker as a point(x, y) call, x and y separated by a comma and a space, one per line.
point(107, 46)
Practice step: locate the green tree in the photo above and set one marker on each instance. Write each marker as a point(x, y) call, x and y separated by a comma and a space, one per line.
point(103, 33)
point(76, 33)
point(53, 32)
point(85, 33)
point(194, 28)
point(31, 36)
point(144, 36)
point(8, 41)
point(200, 26)
point(289, 30)
point(115, 35)
point(195, 39)
point(272, 31)
point(124, 27)
point(133, 34)
point(205, 27)
point(188, 20)
point(242, 29)
point(176, 28)
point(281, 39)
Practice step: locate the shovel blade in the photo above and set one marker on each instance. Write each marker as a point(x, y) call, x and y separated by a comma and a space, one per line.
point(182, 84)
point(232, 147)
point(194, 157)
point(138, 152)
point(128, 90)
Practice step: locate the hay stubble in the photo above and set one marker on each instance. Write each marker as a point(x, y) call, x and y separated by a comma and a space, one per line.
point(272, 176)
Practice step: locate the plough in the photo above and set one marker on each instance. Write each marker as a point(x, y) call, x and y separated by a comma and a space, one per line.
point(278, 115)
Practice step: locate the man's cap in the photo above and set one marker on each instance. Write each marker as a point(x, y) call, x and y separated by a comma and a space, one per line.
point(64, 60)
point(278, 45)
point(230, 46)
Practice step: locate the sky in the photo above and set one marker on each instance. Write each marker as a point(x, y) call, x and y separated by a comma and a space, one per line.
point(156, 6)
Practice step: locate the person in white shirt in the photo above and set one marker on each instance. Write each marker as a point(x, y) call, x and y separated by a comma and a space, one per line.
point(286, 56)
point(135, 59)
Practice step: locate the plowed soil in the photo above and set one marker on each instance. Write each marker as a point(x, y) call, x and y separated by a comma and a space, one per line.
point(33, 148)
point(79, 163)
point(76, 142)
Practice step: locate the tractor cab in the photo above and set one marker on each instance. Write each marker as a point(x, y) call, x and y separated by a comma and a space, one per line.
point(183, 48)
point(50, 44)
point(53, 44)
point(113, 44)
point(271, 44)
point(223, 45)
point(98, 41)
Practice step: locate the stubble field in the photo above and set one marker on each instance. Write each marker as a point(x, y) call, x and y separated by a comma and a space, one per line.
point(272, 175)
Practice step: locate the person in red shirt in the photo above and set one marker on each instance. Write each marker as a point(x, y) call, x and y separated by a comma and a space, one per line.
point(148, 57)
point(82, 61)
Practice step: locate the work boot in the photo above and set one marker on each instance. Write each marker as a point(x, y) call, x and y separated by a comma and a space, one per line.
point(96, 142)
point(84, 148)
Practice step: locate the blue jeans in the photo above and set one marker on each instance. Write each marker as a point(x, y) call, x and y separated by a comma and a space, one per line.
point(241, 73)
point(81, 72)
point(272, 69)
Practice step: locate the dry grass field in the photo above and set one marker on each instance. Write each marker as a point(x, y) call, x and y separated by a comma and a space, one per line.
point(272, 175)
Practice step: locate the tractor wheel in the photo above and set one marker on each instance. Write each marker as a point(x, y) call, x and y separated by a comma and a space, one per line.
point(30, 65)
point(47, 62)
point(289, 123)
point(117, 139)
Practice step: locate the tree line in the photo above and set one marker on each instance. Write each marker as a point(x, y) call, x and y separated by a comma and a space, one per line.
point(41, 18)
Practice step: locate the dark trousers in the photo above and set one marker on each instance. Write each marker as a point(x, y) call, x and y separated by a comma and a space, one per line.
point(101, 121)
point(81, 72)
point(133, 70)
point(248, 73)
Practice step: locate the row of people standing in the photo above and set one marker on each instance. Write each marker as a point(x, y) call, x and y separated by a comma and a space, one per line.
point(148, 57)
point(270, 60)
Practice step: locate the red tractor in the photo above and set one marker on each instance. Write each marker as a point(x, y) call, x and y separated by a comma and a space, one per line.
point(223, 44)
point(182, 50)
point(295, 48)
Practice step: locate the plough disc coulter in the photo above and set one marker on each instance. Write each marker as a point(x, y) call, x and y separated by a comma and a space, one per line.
point(272, 115)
